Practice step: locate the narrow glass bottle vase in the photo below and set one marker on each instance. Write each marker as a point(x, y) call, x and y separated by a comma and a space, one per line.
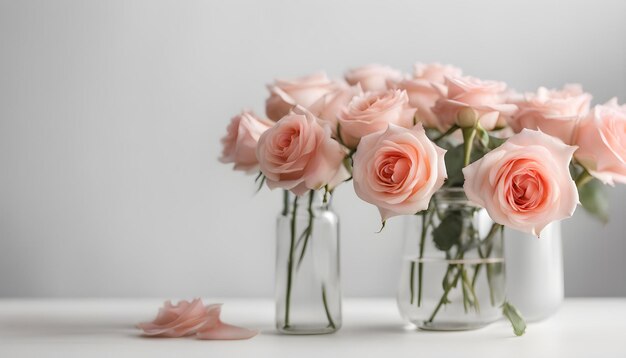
point(308, 295)
point(453, 266)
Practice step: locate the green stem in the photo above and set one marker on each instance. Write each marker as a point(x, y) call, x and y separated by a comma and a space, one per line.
point(412, 283)
point(308, 232)
point(583, 178)
point(420, 266)
point(426, 219)
point(476, 271)
point(447, 133)
point(488, 243)
point(448, 288)
point(466, 302)
point(468, 142)
point(461, 268)
point(285, 202)
point(331, 323)
point(446, 291)
point(469, 284)
point(471, 289)
point(290, 261)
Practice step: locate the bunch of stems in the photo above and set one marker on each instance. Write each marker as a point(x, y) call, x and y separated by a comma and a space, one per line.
point(303, 242)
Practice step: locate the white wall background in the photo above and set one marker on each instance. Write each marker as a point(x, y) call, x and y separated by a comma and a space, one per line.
point(111, 114)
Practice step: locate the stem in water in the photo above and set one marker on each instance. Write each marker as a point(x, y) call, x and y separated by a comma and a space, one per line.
point(290, 261)
point(331, 323)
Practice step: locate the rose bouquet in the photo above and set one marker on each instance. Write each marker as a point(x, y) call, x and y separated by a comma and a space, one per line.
point(464, 156)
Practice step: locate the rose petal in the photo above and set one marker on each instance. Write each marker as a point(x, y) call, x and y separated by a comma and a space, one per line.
point(177, 320)
point(225, 331)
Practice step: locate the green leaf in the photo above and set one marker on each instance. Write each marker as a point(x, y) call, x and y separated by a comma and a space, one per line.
point(477, 153)
point(495, 142)
point(449, 231)
point(258, 189)
point(594, 199)
point(454, 165)
point(483, 137)
point(515, 317)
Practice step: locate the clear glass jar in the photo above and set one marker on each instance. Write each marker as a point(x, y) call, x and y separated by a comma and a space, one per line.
point(453, 266)
point(535, 266)
point(308, 295)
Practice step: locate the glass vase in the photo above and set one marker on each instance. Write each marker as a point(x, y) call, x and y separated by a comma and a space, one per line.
point(308, 295)
point(534, 271)
point(453, 266)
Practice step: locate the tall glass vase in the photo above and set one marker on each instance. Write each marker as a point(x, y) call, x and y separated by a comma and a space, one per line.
point(453, 266)
point(308, 296)
point(534, 271)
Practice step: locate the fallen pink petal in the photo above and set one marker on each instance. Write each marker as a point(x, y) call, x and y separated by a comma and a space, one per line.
point(189, 318)
point(177, 320)
point(225, 331)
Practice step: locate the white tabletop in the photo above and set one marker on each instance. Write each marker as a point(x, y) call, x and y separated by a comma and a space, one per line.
point(372, 328)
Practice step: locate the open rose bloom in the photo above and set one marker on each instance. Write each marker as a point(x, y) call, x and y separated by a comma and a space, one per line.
point(398, 170)
point(285, 94)
point(425, 87)
point(372, 77)
point(555, 112)
point(240, 141)
point(373, 112)
point(525, 183)
point(298, 154)
point(601, 138)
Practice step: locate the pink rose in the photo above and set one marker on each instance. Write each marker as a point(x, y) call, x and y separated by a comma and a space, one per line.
point(298, 153)
point(525, 183)
point(485, 99)
point(372, 77)
point(601, 138)
point(239, 143)
point(189, 318)
point(552, 111)
point(304, 91)
point(422, 93)
point(398, 170)
point(373, 112)
point(435, 72)
point(330, 105)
